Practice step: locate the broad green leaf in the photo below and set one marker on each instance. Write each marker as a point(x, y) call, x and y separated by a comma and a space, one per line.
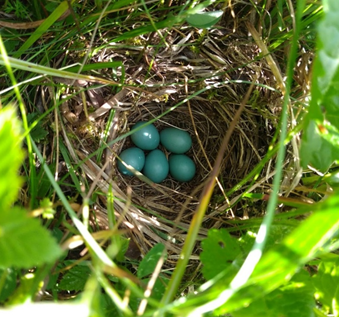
point(296, 299)
point(319, 146)
point(149, 262)
point(219, 252)
point(75, 279)
point(11, 157)
point(326, 282)
point(24, 242)
point(204, 20)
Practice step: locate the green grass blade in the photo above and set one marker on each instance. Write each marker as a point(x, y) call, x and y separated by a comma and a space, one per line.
point(35, 68)
point(55, 15)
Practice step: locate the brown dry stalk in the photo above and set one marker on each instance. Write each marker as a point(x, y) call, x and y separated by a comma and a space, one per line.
point(29, 25)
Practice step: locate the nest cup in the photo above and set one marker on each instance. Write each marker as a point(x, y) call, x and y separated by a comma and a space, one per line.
point(207, 123)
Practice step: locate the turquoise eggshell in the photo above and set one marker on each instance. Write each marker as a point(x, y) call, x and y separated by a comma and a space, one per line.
point(182, 168)
point(156, 166)
point(175, 140)
point(133, 157)
point(146, 138)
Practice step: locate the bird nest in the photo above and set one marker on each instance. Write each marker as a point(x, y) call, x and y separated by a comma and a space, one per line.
point(197, 89)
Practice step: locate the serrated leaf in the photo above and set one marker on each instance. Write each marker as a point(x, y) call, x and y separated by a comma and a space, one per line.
point(149, 262)
point(293, 300)
point(75, 279)
point(219, 252)
point(319, 147)
point(11, 157)
point(38, 132)
point(326, 282)
point(204, 20)
point(24, 242)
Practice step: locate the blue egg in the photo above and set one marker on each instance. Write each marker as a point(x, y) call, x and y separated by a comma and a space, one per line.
point(146, 138)
point(175, 140)
point(156, 166)
point(133, 157)
point(182, 168)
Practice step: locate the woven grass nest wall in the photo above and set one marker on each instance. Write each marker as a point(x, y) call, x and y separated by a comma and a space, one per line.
point(200, 88)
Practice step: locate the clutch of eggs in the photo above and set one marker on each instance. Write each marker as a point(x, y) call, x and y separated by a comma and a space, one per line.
point(155, 165)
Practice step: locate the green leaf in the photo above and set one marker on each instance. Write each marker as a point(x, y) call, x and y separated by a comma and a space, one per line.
point(11, 157)
point(326, 282)
point(24, 242)
point(204, 20)
point(149, 262)
point(319, 144)
point(293, 300)
point(219, 252)
point(317, 150)
point(75, 279)
point(38, 132)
